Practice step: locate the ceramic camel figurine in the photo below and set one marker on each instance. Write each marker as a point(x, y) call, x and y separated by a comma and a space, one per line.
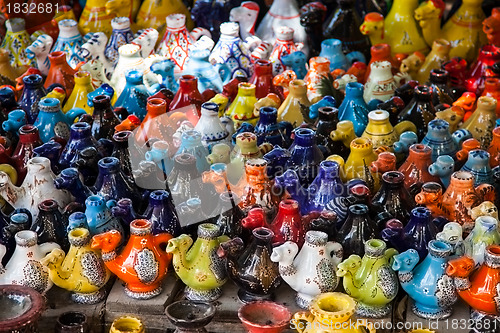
point(40, 50)
point(463, 30)
point(246, 15)
point(93, 49)
point(373, 27)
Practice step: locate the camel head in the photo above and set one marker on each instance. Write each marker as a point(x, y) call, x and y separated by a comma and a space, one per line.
point(350, 265)
point(431, 9)
point(373, 24)
point(443, 166)
point(179, 244)
point(486, 208)
point(107, 241)
point(451, 234)
point(412, 63)
point(284, 254)
point(406, 261)
point(40, 46)
point(431, 193)
point(460, 267)
point(94, 46)
point(246, 15)
point(256, 218)
point(54, 258)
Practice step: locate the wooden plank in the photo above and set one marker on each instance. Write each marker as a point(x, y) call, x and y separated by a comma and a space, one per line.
point(461, 313)
point(59, 301)
point(119, 302)
point(229, 304)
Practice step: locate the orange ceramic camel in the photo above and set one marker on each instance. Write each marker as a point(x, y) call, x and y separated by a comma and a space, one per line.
point(479, 290)
point(491, 27)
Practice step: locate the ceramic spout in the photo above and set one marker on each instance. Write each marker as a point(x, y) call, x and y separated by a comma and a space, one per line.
point(231, 249)
point(460, 135)
point(406, 139)
point(344, 132)
point(72, 114)
point(16, 119)
point(256, 218)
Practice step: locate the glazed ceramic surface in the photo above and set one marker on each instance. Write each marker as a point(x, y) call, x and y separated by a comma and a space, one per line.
point(291, 108)
point(401, 30)
point(255, 188)
point(282, 13)
point(32, 94)
point(484, 234)
point(251, 267)
point(482, 121)
point(432, 291)
point(52, 121)
point(99, 218)
point(415, 168)
point(380, 131)
point(198, 266)
point(242, 108)
point(371, 280)
point(283, 46)
point(126, 324)
point(121, 35)
point(81, 271)
point(354, 107)
point(417, 233)
point(478, 290)
point(257, 315)
point(78, 98)
point(356, 230)
point(134, 94)
point(25, 267)
point(141, 264)
point(36, 187)
point(478, 163)
point(315, 262)
point(95, 18)
point(209, 76)
point(72, 321)
point(69, 41)
point(190, 316)
point(231, 50)
point(331, 309)
point(176, 41)
point(461, 196)
point(16, 40)
point(19, 317)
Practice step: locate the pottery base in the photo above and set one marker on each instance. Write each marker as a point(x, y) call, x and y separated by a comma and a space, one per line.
point(247, 297)
point(196, 330)
point(366, 311)
point(202, 295)
point(91, 298)
point(487, 323)
point(143, 295)
point(434, 314)
point(303, 301)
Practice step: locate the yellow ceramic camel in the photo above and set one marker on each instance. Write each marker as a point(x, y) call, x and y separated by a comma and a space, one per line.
point(373, 27)
point(463, 30)
point(399, 29)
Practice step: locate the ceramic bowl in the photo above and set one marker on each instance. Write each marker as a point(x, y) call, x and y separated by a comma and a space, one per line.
point(20, 308)
point(264, 316)
point(190, 314)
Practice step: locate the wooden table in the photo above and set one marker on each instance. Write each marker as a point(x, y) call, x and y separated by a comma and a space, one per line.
point(151, 312)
